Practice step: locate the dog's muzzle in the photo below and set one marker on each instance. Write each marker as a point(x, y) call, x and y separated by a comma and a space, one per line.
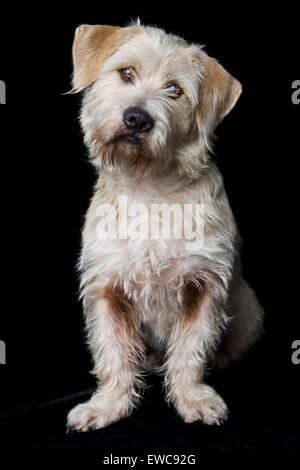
point(137, 120)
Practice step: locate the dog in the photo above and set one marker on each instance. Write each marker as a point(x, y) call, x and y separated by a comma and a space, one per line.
point(151, 103)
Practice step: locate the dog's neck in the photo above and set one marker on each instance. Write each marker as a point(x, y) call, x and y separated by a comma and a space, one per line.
point(186, 164)
point(170, 180)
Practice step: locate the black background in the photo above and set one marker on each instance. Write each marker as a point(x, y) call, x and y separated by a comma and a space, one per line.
point(46, 184)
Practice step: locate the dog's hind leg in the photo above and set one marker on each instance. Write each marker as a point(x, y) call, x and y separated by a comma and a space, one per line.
point(245, 327)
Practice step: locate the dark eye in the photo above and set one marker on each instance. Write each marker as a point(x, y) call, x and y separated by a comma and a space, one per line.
point(174, 90)
point(126, 74)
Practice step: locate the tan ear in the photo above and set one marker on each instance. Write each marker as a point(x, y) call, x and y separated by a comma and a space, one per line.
point(219, 92)
point(92, 45)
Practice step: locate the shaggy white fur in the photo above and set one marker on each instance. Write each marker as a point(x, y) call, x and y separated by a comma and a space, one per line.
point(142, 294)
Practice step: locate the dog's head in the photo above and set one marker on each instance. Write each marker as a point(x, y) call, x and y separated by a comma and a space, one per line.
point(151, 99)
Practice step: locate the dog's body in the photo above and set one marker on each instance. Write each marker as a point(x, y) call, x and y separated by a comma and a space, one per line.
point(152, 102)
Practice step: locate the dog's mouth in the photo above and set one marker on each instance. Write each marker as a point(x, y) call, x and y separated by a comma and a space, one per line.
point(126, 138)
point(127, 149)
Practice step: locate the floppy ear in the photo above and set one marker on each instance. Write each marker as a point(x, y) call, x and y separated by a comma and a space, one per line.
point(218, 93)
point(92, 45)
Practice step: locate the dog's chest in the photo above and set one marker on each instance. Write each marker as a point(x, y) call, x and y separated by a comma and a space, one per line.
point(153, 234)
point(142, 236)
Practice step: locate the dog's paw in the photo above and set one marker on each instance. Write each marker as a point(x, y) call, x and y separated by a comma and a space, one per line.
point(94, 415)
point(205, 405)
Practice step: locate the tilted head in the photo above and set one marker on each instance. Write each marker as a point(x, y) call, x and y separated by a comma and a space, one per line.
point(152, 101)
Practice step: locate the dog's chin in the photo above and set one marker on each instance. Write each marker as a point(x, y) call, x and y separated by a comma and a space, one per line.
point(128, 146)
point(126, 150)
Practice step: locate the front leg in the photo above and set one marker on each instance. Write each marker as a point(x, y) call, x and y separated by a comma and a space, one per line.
point(113, 335)
point(195, 335)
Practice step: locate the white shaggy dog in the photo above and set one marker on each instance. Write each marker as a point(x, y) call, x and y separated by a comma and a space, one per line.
point(151, 104)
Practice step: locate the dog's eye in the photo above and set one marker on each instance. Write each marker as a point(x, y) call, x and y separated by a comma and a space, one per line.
point(126, 74)
point(174, 90)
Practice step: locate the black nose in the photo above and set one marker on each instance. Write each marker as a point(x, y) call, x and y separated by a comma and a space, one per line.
point(137, 120)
